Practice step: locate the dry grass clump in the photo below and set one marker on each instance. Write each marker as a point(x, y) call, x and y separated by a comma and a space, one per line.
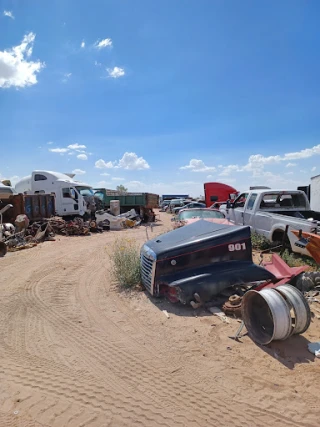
point(125, 258)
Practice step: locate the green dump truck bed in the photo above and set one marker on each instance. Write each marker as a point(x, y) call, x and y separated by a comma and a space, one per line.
point(128, 200)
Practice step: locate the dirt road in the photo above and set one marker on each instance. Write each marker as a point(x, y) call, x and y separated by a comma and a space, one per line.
point(77, 352)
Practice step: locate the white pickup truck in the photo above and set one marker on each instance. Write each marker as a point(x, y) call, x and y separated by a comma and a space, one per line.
point(269, 212)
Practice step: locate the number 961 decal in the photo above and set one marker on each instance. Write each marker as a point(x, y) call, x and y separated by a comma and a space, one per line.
point(237, 247)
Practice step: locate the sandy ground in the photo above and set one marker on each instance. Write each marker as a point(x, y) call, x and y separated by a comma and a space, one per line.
point(77, 352)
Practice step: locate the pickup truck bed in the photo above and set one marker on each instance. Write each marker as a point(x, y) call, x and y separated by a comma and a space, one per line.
point(299, 214)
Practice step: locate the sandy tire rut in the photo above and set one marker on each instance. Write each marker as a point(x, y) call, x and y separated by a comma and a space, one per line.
point(75, 354)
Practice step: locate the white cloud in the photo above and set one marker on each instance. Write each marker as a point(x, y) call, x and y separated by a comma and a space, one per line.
point(291, 165)
point(76, 146)
point(258, 161)
point(116, 72)
point(129, 161)
point(103, 43)
point(66, 77)
point(101, 164)
point(196, 165)
point(97, 64)
point(303, 154)
point(83, 44)
point(50, 143)
point(105, 174)
point(209, 176)
point(229, 169)
point(132, 162)
point(78, 172)
point(313, 169)
point(82, 157)
point(59, 150)
point(8, 13)
point(117, 179)
point(288, 173)
point(15, 69)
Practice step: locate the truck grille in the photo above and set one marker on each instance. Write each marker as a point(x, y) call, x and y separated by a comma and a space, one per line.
point(148, 265)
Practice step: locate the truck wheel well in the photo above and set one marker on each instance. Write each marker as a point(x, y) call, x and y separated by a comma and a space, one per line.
point(277, 236)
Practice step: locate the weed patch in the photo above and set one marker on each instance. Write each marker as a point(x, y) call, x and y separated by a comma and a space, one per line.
point(125, 258)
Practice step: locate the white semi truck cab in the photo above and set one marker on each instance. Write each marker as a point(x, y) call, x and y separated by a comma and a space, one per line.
point(72, 198)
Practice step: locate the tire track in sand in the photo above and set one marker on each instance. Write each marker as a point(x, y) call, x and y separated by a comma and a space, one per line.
point(152, 382)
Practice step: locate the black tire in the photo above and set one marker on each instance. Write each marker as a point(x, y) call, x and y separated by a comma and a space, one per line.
point(307, 281)
point(3, 249)
point(277, 239)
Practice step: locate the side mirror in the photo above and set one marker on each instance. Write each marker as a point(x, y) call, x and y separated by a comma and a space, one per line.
point(72, 193)
point(230, 204)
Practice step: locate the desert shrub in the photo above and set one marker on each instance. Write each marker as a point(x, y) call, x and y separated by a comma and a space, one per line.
point(296, 260)
point(259, 242)
point(125, 258)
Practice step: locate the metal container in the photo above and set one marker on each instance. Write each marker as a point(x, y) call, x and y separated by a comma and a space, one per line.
point(115, 207)
point(299, 308)
point(35, 206)
point(266, 316)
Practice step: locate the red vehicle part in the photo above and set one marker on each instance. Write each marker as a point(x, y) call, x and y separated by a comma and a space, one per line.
point(281, 270)
point(217, 192)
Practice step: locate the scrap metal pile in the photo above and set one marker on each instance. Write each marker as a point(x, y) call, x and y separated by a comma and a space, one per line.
point(211, 266)
point(23, 235)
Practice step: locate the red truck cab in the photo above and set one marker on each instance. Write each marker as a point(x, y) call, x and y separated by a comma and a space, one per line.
point(217, 192)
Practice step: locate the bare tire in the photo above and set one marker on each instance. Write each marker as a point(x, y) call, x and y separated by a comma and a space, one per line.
point(307, 281)
point(3, 249)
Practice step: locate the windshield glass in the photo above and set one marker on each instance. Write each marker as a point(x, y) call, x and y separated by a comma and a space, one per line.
point(85, 191)
point(200, 213)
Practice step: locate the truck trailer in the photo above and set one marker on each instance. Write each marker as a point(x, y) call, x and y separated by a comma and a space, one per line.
point(143, 203)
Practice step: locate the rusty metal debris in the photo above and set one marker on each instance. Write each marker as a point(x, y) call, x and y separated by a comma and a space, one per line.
point(232, 307)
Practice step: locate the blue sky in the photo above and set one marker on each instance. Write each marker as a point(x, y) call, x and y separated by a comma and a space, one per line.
point(164, 95)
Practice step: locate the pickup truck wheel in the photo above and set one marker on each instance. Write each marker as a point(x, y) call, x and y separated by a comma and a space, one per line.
point(277, 239)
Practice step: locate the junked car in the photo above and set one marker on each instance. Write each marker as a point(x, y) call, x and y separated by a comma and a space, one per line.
point(176, 203)
point(189, 216)
point(190, 205)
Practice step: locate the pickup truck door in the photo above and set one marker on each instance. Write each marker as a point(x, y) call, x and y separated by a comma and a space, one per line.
point(237, 211)
point(248, 214)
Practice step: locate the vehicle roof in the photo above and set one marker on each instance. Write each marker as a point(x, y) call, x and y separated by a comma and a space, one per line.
point(62, 177)
point(271, 190)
